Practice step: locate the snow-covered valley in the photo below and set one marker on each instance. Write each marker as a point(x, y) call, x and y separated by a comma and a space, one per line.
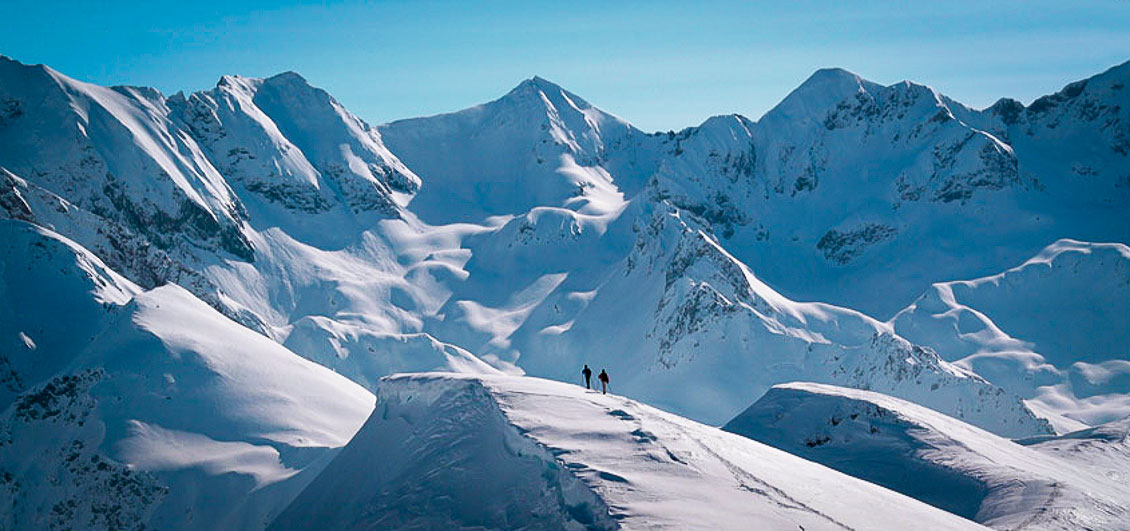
point(202, 293)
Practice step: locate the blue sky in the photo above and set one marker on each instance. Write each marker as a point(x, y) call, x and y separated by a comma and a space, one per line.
point(661, 65)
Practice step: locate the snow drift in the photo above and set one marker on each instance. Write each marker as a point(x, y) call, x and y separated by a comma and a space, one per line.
point(1054, 330)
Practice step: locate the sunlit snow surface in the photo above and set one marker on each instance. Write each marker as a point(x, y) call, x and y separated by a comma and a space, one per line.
point(449, 451)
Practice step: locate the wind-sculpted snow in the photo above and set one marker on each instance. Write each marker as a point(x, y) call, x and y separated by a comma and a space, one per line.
point(450, 451)
point(940, 460)
point(1055, 330)
point(680, 323)
point(149, 408)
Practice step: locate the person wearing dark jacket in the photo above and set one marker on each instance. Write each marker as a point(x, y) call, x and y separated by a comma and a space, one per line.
point(603, 377)
point(587, 373)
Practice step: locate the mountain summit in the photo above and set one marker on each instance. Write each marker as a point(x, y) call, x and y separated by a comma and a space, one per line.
point(537, 145)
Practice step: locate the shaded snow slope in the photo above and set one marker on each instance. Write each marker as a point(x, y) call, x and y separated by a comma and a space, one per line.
point(506, 452)
point(1054, 330)
point(153, 410)
point(54, 299)
point(937, 459)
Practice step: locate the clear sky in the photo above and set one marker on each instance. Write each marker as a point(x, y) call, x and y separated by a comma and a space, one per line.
point(659, 64)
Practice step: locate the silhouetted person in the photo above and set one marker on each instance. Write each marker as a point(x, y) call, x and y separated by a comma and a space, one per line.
point(587, 373)
point(603, 377)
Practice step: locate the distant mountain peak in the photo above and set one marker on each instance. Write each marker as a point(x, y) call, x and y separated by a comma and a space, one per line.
point(823, 89)
point(289, 77)
point(537, 87)
point(836, 80)
point(10, 61)
point(29, 71)
point(537, 83)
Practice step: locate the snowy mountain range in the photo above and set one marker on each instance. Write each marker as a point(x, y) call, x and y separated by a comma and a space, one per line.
point(179, 272)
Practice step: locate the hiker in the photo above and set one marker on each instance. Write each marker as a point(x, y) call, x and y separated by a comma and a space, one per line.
point(587, 373)
point(603, 377)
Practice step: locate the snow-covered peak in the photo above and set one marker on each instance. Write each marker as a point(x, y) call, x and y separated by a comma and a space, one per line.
point(332, 138)
point(538, 145)
point(289, 77)
point(291, 145)
point(540, 89)
point(287, 80)
point(819, 93)
point(115, 151)
point(727, 127)
point(1110, 83)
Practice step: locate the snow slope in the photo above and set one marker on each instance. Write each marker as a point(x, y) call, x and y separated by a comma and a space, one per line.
point(36, 342)
point(937, 459)
point(150, 407)
point(510, 452)
point(1054, 330)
